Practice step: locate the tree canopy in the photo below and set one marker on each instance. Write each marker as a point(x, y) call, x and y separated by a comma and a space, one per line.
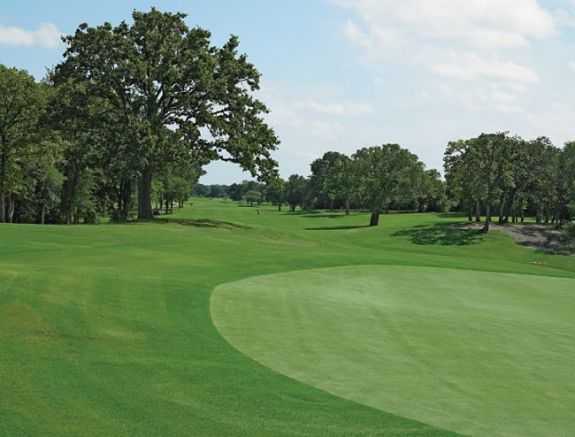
point(178, 97)
point(127, 120)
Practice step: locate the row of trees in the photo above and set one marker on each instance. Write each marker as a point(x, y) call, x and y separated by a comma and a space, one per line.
point(375, 178)
point(491, 175)
point(126, 122)
point(252, 192)
point(509, 177)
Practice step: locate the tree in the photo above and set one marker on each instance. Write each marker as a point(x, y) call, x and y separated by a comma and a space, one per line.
point(179, 97)
point(346, 180)
point(324, 177)
point(21, 106)
point(295, 191)
point(384, 173)
point(235, 192)
point(430, 191)
point(566, 182)
point(491, 155)
point(333, 180)
point(253, 197)
point(276, 192)
point(42, 182)
point(480, 171)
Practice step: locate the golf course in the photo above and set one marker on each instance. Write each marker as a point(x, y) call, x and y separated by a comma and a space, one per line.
point(226, 320)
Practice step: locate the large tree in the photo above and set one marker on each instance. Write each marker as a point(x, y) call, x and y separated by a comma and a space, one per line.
point(178, 96)
point(385, 173)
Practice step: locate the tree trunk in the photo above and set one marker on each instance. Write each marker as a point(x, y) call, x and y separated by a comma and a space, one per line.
point(539, 217)
point(374, 219)
point(69, 192)
point(477, 212)
point(510, 207)
point(522, 215)
point(347, 207)
point(145, 211)
point(502, 201)
point(43, 214)
point(487, 217)
point(3, 171)
point(11, 209)
point(126, 198)
point(2, 206)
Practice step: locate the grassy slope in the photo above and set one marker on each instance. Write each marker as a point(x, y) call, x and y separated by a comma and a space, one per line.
point(105, 330)
point(481, 353)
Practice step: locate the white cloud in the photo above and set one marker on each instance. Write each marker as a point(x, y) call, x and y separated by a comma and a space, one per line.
point(47, 36)
point(475, 23)
point(473, 67)
point(571, 65)
point(482, 42)
point(347, 109)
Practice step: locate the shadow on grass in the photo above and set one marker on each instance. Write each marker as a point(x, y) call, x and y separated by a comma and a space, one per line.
point(201, 223)
point(442, 234)
point(451, 215)
point(325, 215)
point(302, 212)
point(337, 228)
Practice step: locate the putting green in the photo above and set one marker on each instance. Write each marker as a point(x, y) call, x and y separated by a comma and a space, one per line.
point(474, 352)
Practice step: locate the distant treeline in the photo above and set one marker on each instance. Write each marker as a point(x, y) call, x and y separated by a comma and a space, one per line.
point(493, 175)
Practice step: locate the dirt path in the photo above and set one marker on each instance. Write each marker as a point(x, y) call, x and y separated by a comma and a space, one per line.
point(542, 237)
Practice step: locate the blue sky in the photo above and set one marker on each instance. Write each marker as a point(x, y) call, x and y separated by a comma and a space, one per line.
point(343, 74)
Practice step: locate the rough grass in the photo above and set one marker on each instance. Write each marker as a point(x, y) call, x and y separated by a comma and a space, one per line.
point(106, 330)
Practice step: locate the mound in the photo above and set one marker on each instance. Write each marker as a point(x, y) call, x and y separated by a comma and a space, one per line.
point(474, 352)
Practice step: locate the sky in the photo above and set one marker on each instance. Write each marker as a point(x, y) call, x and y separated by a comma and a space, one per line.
point(345, 74)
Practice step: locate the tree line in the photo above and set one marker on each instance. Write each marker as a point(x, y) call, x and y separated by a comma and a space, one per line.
point(492, 176)
point(125, 123)
point(377, 179)
point(509, 177)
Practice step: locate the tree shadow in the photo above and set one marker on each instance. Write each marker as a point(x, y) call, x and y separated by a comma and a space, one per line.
point(301, 212)
point(442, 234)
point(336, 228)
point(201, 223)
point(543, 238)
point(325, 215)
point(452, 215)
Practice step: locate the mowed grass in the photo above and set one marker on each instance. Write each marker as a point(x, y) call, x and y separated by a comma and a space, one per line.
point(481, 353)
point(106, 330)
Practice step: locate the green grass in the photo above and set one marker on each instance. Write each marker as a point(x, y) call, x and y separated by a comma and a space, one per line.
point(106, 330)
point(475, 352)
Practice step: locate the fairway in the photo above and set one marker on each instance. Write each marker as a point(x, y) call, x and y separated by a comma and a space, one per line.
point(478, 353)
point(400, 330)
